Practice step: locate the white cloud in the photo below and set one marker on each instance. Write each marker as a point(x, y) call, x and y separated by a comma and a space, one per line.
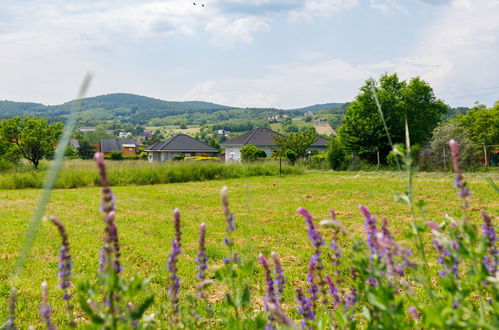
point(208, 91)
point(388, 6)
point(313, 8)
point(226, 34)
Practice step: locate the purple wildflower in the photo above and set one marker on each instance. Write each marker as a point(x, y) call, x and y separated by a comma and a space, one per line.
point(455, 304)
point(491, 256)
point(313, 289)
point(463, 191)
point(201, 257)
point(65, 266)
point(304, 308)
point(371, 230)
point(446, 258)
point(11, 322)
point(229, 219)
point(413, 311)
point(279, 276)
point(45, 309)
point(372, 281)
point(111, 250)
point(333, 291)
point(395, 256)
point(270, 296)
point(350, 301)
point(279, 315)
point(174, 288)
point(313, 233)
point(316, 261)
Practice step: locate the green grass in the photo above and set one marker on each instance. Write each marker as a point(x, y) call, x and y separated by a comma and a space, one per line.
point(265, 209)
point(83, 173)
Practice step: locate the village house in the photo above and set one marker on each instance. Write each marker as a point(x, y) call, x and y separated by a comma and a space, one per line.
point(180, 145)
point(262, 138)
point(127, 147)
point(86, 129)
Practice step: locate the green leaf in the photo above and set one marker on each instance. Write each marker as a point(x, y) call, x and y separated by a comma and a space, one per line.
point(375, 302)
point(137, 314)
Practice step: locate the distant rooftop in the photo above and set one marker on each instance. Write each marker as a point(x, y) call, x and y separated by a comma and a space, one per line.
point(181, 142)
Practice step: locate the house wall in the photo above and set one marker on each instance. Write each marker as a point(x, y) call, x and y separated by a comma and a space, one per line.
point(163, 156)
point(233, 154)
point(128, 151)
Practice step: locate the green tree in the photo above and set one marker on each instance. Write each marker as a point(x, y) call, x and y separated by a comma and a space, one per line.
point(363, 132)
point(482, 124)
point(251, 153)
point(86, 150)
point(336, 155)
point(296, 142)
point(33, 138)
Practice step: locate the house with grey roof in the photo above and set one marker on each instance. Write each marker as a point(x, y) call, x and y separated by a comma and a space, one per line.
point(180, 145)
point(262, 138)
point(127, 147)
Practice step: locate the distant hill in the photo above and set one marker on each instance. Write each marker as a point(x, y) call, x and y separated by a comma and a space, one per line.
point(321, 107)
point(137, 109)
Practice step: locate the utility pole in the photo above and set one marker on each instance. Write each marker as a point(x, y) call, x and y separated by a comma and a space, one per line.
point(377, 154)
point(485, 153)
point(445, 167)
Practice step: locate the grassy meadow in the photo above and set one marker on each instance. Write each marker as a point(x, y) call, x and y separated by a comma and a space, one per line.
point(266, 219)
point(83, 173)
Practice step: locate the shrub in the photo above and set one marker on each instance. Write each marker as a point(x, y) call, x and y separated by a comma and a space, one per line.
point(116, 155)
point(336, 154)
point(251, 153)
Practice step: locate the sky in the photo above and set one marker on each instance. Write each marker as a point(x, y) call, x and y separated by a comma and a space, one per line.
point(247, 53)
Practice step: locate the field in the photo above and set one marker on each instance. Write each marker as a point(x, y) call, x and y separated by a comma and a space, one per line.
point(266, 218)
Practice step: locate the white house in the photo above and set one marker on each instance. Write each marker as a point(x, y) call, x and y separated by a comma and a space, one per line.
point(262, 138)
point(180, 145)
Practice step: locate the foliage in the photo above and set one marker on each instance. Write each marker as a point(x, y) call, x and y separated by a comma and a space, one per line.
point(116, 155)
point(336, 154)
point(86, 150)
point(363, 132)
point(482, 124)
point(251, 153)
point(33, 138)
point(436, 155)
point(307, 119)
point(414, 152)
point(295, 145)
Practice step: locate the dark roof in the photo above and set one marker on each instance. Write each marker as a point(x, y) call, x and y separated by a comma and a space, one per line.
point(256, 137)
point(321, 142)
point(181, 142)
point(112, 145)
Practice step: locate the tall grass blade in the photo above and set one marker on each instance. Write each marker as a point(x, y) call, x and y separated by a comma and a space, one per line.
point(378, 105)
point(50, 179)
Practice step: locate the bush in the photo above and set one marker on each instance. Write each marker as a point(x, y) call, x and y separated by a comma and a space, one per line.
point(336, 154)
point(116, 155)
point(251, 153)
point(392, 157)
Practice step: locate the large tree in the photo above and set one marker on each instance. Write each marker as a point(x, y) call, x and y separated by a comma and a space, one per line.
point(33, 138)
point(363, 131)
point(296, 143)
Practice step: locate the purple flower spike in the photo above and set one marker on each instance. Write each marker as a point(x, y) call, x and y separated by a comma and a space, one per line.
point(304, 308)
point(174, 288)
point(333, 291)
point(433, 225)
point(371, 230)
point(201, 257)
point(491, 258)
point(45, 309)
point(271, 297)
point(111, 250)
point(351, 301)
point(65, 267)
point(279, 276)
point(313, 233)
point(413, 311)
point(463, 191)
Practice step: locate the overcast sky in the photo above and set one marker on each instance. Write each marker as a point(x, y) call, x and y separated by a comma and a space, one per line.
point(266, 53)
